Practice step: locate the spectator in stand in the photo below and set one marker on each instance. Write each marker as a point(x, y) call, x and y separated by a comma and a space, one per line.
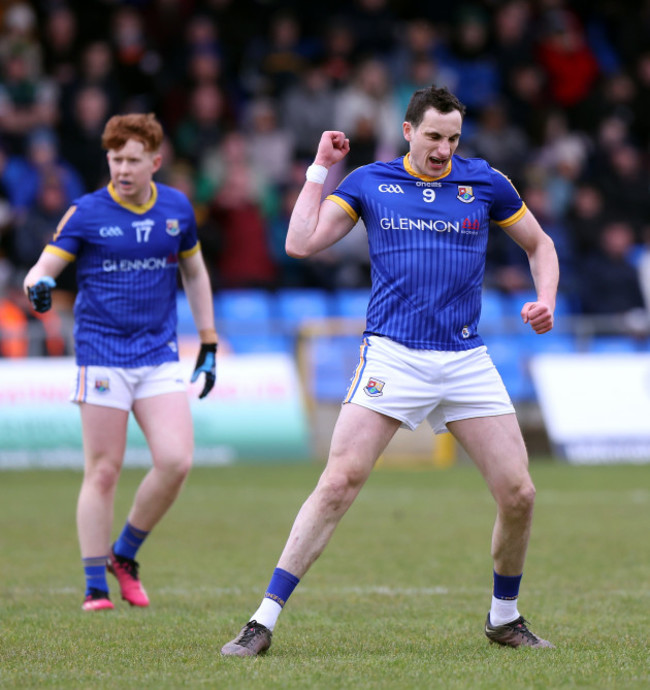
point(562, 160)
point(526, 93)
point(368, 103)
point(34, 231)
point(270, 145)
point(197, 59)
point(274, 62)
point(27, 99)
point(82, 135)
point(307, 109)
point(417, 39)
point(497, 139)
point(339, 52)
point(292, 272)
point(513, 35)
point(61, 45)
point(415, 61)
point(136, 59)
point(609, 281)
point(97, 69)
point(585, 217)
point(373, 23)
point(569, 63)
point(470, 60)
point(19, 34)
point(238, 210)
point(624, 181)
point(203, 127)
point(23, 175)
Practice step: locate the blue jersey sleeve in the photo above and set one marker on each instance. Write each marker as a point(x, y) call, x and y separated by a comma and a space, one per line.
point(348, 194)
point(68, 237)
point(189, 240)
point(507, 207)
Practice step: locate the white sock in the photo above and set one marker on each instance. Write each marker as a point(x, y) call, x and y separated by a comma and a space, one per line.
point(267, 614)
point(503, 611)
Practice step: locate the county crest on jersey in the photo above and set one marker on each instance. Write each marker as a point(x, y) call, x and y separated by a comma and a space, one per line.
point(127, 262)
point(427, 240)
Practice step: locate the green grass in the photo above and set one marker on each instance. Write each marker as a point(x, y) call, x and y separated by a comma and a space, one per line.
point(398, 599)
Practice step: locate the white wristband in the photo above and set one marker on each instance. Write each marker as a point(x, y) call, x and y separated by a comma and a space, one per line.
point(316, 173)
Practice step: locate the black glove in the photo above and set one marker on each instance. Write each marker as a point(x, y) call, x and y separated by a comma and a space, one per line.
point(206, 363)
point(40, 294)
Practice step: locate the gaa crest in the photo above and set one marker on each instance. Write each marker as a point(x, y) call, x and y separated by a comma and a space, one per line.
point(171, 227)
point(102, 385)
point(374, 388)
point(465, 194)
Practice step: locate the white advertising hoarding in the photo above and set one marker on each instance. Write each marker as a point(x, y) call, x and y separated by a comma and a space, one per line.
point(254, 413)
point(596, 407)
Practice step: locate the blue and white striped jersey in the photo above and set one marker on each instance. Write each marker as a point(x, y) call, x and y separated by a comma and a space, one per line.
point(127, 261)
point(427, 240)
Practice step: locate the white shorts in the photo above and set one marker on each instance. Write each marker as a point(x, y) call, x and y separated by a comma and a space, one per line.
point(117, 387)
point(413, 385)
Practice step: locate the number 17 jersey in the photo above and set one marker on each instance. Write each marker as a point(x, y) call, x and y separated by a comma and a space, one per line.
point(427, 241)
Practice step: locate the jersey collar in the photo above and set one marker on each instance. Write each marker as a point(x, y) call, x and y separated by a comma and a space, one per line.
point(136, 208)
point(411, 171)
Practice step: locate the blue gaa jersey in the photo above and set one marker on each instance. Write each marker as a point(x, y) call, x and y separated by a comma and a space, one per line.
point(127, 261)
point(427, 241)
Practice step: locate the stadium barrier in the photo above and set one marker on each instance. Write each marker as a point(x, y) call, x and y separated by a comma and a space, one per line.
point(256, 413)
point(319, 332)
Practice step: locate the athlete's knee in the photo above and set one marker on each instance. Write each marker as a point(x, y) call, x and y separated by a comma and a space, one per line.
point(518, 500)
point(339, 488)
point(174, 468)
point(102, 476)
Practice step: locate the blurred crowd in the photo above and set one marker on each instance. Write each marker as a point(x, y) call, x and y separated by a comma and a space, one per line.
point(557, 92)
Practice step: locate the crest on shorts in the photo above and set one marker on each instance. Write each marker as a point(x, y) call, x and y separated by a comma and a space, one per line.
point(465, 332)
point(374, 388)
point(102, 385)
point(172, 227)
point(465, 194)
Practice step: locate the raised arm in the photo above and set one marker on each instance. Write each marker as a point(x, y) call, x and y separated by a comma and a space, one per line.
point(313, 225)
point(544, 267)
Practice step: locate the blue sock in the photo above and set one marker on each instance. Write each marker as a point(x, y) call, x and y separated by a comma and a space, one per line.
point(129, 541)
point(281, 586)
point(506, 586)
point(95, 571)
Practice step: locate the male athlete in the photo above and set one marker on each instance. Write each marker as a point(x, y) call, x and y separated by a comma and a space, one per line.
point(129, 239)
point(427, 216)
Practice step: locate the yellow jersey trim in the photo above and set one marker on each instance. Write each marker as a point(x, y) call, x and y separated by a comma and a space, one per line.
point(513, 219)
point(411, 171)
point(344, 205)
point(61, 253)
point(66, 217)
point(136, 208)
point(190, 252)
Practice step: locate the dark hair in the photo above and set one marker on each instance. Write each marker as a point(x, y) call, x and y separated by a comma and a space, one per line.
point(442, 99)
point(143, 128)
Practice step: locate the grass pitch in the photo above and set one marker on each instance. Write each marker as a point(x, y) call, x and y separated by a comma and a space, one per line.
point(398, 599)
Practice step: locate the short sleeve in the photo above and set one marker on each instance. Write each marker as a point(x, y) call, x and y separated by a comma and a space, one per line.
point(507, 206)
point(68, 237)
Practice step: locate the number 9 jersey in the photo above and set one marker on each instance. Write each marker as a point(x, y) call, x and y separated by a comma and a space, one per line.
point(127, 262)
point(428, 240)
